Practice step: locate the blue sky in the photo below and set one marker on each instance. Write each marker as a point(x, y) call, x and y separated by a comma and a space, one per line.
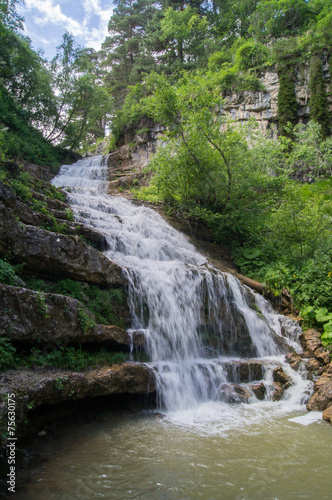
point(47, 20)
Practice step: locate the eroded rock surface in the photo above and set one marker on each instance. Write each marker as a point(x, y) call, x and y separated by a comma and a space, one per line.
point(29, 316)
point(33, 388)
point(55, 254)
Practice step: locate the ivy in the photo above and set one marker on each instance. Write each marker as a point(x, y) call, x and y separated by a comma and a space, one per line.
point(319, 105)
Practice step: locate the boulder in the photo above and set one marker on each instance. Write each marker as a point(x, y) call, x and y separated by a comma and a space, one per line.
point(259, 390)
point(310, 341)
point(312, 365)
point(322, 355)
point(322, 396)
point(280, 377)
point(278, 391)
point(327, 414)
point(233, 393)
point(29, 316)
point(294, 360)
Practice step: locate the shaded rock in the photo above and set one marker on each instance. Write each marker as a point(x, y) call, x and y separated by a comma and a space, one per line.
point(37, 171)
point(55, 254)
point(29, 316)
point(7, 195)
point(45, 386)
point(280, 376)
point(310, 341)
point(259, 390)
point(233, 393)
point(244, 371)
point(322, 396)
point(33, 218)
point(294, 360)
point(327, 414)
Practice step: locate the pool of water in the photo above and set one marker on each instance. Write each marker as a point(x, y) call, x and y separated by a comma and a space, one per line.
point(264, 454)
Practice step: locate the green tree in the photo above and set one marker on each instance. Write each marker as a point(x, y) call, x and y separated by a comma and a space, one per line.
point(280, 18)
point(83, 106)
point(124, 52)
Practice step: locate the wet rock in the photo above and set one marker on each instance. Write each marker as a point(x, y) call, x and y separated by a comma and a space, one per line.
point(322, 396)
point(259, 390)
point(45, 386)
point(327, 414)
point(310, 341)
point(245, 371)
point(233, 393)
point(55, 254)
point(29, 316)
point(278, 391)
point(159, 416)
point(280, 376)
point(294, 360)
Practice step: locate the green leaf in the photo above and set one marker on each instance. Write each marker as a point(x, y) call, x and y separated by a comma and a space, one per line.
point(251, 253)
point(322, 315)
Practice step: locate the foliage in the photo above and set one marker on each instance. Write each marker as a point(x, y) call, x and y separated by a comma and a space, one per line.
point(7, 273)
point(86, 321)
point(7, 354)
point(101, 303)
point(318, 97)
point(71, 358)
point(287, 104)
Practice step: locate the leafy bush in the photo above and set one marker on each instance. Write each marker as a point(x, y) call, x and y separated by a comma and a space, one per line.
point(72, 358)
point(7, 354)
point(7, 273)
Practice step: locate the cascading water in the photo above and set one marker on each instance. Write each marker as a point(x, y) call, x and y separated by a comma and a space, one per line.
point(196, 319)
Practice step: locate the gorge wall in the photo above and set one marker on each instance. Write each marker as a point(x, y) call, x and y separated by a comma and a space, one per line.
point(127, 163)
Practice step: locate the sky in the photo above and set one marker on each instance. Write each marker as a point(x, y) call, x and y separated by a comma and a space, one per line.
point(47, 20)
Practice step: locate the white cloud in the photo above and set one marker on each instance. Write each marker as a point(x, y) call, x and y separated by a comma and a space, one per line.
point(89, 32)
point(52, 14)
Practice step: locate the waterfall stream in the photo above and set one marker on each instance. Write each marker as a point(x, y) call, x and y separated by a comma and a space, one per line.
point(201, 325)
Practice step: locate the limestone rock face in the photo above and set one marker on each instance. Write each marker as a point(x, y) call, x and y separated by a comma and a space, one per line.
point(28, 316)
point(45, 386)
point(263, 105)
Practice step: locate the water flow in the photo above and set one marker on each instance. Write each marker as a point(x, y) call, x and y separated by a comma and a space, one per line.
point(195, 318)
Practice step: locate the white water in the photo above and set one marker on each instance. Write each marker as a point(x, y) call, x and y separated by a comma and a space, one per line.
point(195, 318)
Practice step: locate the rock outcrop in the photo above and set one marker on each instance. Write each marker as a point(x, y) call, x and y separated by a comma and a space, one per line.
point(29, 316)
point(317, 360)
point(34, 388)
point(55, 254)
point(322, 396)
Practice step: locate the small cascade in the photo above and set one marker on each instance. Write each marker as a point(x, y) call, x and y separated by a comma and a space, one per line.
point(198, 322)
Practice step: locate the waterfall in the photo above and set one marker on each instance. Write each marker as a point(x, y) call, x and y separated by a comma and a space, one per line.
point(196, 319)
